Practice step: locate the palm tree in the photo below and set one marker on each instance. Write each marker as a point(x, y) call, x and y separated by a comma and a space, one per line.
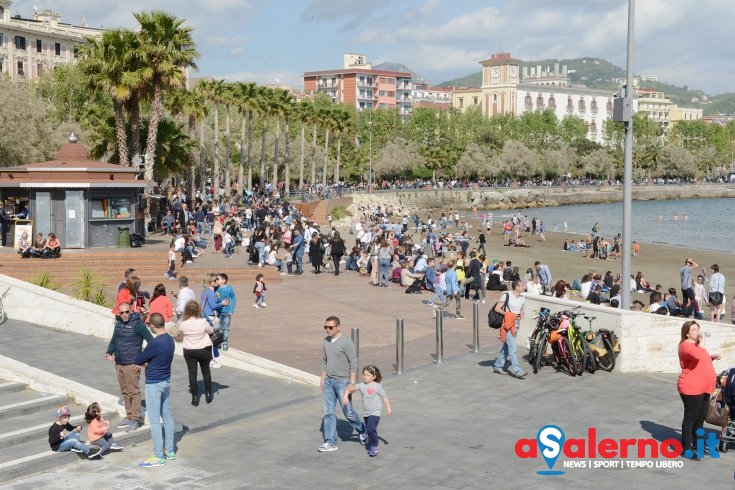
point(304, 110)
point(247, 104)
point(212, 90)
point(281, 108)
point(107, 64)
point(189, 103)
point(228, 99)
point(264, 109)
point(342, 122)
point(167, 50)
point(326, 118)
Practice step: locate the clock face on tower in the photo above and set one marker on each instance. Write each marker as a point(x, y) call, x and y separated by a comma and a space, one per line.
point(496, 71)
point(513, 71)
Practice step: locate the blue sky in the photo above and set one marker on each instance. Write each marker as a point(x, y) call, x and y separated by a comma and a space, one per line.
point(685, 42)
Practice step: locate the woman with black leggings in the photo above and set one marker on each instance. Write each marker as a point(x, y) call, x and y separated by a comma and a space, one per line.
point(696, 381)
point(197, 346)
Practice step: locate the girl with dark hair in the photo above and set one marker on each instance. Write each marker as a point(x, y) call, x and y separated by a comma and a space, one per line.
point(373, 397)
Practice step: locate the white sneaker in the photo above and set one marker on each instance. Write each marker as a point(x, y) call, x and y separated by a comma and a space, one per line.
point(263, 305)
point(255, 306)
point(260, 265)
point(214, 364)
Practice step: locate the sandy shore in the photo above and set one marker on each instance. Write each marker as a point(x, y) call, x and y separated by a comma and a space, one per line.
point(659, 263)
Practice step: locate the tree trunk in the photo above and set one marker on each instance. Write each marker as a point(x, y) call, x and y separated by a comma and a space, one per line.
point(134, 108)
point(150, 150)
point(192, 163)
point(275, 151)
point(262, 153)
point(216, 150)
point(286, 164)
point(250, 151)
point(228, 169)
point(301, 165)
point(312, 182)
point(339, 151)
point(240, 170)
point(326, 160)
point(122, 137)
point(202, 162)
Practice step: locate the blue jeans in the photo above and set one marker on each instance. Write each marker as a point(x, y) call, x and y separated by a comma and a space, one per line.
point(157, 404)
point(229, 248)
point(509, 352)
point(200, 227)
point(299, 259)
point(334, 390)
point(260, 299)
point(350, 263)
point(384, 271)
point(261, 252)
point(71, 441)
point(224, 324)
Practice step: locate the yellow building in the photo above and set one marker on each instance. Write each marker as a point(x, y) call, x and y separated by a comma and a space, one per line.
point(677, 114)
point(28, 47)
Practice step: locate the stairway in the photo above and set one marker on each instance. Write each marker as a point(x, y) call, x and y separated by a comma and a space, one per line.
point(27, 416)
point(149, 262)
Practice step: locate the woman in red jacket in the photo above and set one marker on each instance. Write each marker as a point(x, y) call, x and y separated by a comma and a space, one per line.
point(696, 382)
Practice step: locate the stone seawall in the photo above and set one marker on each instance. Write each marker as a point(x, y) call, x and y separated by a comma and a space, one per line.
point(535, 197)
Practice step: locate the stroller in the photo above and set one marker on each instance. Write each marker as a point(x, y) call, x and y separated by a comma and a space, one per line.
point(726, 388)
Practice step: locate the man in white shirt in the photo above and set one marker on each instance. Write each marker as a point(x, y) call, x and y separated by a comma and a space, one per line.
point(184, 295)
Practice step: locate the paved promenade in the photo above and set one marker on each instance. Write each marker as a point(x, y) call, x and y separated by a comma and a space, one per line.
point(454, 426)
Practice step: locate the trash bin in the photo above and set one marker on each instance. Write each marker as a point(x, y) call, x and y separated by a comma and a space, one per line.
point(123, 237)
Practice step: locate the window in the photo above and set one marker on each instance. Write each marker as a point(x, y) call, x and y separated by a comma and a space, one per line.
point(461, 102)
point(2, 39)
point(527, 100)
point(39, 46)
point(539, 100)
point(111, 208)
point(582, 106)
point(593, 127)
point(57, 49)
point(593, 105)
point(20, 42)
point(552, 102)
point(20, 68)
point(474, 101)
point(39, 68)
point(570, 105)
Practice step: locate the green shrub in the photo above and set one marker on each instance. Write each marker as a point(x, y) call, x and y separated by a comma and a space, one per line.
point(88, 287)
point(43, 279)
point(340, 212)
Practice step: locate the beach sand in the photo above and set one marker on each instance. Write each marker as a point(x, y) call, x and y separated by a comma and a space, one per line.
point(659, 263)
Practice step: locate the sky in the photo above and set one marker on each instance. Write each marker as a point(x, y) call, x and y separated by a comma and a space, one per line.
point(684, 42)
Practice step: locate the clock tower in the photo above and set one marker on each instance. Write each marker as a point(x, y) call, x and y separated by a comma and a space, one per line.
point(500, 79)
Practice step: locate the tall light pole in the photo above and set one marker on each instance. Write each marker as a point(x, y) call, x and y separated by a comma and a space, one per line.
point(625, 114)
point(370, 167)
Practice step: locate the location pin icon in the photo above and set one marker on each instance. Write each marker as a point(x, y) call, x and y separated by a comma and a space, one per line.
point(550, 440)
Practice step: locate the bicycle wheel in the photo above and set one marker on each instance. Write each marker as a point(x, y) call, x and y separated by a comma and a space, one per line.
point(590, 362)
point(567, 359)
point(607, 362)
point(540, 358)
point(3, 315)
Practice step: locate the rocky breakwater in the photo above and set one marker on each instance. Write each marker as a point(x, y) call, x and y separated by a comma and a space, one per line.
point(530, 197)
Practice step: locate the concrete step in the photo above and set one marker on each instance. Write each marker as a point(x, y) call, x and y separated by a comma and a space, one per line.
point(35, 456)
point(27, 402)
point(25, 450)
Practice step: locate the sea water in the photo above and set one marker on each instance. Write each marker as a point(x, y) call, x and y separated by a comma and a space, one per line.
point(692, 223)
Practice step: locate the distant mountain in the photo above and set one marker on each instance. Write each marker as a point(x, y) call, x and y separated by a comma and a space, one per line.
point(391, 66)
point(599, 73)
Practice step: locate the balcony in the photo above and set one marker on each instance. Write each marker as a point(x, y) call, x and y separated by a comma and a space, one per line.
point(365, 83)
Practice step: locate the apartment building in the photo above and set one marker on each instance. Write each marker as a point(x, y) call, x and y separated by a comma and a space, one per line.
point(28, 47)
point(424, 95)
point(358, 84)
point(654, 105)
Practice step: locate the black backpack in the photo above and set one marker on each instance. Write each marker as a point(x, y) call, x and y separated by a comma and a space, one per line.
point(495, 319)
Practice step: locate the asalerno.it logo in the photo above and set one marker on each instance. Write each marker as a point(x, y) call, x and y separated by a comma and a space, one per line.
point(589, 452)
